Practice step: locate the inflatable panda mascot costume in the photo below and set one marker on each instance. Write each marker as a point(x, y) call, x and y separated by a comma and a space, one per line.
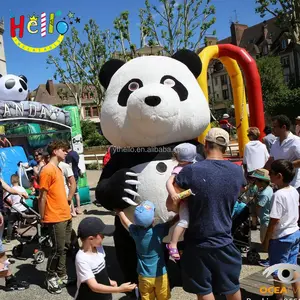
point(152, 104)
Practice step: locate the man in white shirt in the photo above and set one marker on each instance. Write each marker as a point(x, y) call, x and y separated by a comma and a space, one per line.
point(297, 130)
point(256, 154)
point(286, 146)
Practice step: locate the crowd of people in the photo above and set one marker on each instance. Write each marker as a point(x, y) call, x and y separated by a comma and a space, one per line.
point(210, 263)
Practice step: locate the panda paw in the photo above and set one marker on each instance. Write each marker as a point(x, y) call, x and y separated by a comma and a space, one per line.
point(131, 191)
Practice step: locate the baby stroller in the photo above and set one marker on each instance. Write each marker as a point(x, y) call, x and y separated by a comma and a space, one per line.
point(241, 228)
point(30, 231)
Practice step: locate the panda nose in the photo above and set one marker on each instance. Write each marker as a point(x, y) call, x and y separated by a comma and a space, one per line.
point(20, 90)
point(152, 100)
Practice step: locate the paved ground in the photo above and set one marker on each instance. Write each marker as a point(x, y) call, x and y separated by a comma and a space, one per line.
point(35, 274)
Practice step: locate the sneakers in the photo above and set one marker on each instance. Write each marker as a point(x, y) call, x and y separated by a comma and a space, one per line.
point(65, 280)
point(264, 263)
point(12, 284)
point(5, 242)
point(53, 286)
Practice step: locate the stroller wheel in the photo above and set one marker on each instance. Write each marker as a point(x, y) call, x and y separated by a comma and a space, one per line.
point(17, 250)
point(39, 256)
point(253, 257)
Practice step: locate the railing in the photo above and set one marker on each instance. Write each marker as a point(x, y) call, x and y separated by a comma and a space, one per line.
point(98, 158)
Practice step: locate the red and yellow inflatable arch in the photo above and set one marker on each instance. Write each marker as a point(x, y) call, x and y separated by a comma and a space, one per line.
point(232, 57)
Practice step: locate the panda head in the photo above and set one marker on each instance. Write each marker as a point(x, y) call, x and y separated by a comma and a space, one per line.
point(153, 100)
point(13, 88)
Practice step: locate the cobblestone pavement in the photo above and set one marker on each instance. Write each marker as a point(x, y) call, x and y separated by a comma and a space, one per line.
point(35, 274)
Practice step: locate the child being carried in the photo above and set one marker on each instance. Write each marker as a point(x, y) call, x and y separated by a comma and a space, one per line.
point(185, 154)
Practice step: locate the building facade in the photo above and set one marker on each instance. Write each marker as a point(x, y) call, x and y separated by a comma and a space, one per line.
point(60, 95)
point(3, 70)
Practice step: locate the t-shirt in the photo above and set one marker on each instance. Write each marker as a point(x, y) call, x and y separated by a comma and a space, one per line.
point(67, 172)
point(56, 208)
point(91, 265)
point(72, 159)
point(216, 185)
point(285, 207)
point(16, 199)
point(289, 149)
point(149, 247)
point(264, 201)
point(176, 170)
point(255, 156)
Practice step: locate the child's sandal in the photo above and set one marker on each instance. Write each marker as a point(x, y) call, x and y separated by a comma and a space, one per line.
point(173, 252)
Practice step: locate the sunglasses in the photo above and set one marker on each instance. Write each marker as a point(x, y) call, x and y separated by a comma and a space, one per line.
point(38, 154)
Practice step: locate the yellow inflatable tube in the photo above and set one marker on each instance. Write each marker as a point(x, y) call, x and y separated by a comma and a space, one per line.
point(237, 83)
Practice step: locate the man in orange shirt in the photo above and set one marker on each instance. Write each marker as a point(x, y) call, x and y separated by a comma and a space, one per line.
point(55, 212)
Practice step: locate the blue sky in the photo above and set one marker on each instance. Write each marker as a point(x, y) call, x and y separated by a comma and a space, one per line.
point(34, 66)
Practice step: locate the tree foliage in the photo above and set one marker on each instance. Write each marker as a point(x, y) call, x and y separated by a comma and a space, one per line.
point(79, 61)
point(91, 137)
point(287, 13)
point(176, 26)
point(277, 96)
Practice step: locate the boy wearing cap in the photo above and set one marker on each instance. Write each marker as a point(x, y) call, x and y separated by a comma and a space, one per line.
point(153, 277)
point(185, 154)
point(93, 281)
point(263, 205)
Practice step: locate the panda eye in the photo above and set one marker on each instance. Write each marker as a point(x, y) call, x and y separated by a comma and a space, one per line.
point(169, 82)
point(10, 83)
point(24, 85)
point(133, 86)
point(176, 85)
point(130, 87)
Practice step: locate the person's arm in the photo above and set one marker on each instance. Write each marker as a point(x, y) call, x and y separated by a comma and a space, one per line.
point(12, 190)
point(72, 188)
point(270, 231)
point(124, 220)
point(170, 188)
point(9, 143)
point(42, 202)
point(106, 289)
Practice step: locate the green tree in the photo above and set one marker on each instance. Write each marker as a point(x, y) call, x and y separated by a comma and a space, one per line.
point(80, 59)
point(176, 26)
point(287, 13)
point(278, 97)
point(91, 137)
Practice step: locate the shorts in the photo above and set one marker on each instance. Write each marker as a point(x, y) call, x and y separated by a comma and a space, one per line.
point(2, 250)
point(215, 270)
point(184, 216)
point(284, 250)
point(263, 231)
point(152, 288)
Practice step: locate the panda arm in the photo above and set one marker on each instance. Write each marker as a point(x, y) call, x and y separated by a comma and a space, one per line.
point(115, 180)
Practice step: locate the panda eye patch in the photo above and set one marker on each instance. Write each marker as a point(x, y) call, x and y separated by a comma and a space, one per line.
point(128, 88)
point(24, 85)
point(10, 83)
point(176, 85)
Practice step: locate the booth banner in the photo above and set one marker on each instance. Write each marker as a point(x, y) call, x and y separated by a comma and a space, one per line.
point(34, 110)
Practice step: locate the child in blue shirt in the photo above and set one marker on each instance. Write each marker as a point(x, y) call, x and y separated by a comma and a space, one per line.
point(153, 277)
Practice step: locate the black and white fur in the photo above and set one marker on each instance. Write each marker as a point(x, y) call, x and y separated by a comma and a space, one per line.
point(152, 104)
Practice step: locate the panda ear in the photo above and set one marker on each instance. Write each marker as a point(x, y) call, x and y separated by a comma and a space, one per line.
point(108, 70)
point(1, 75)
point(190, 59)
point(23, 77)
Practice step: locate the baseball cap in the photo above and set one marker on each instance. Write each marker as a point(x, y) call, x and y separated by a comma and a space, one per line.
point(144, 214)
point(298, 118)
point(91, 226)
point(261, 174)
point(225, 116)
point(218, 136)
point(186, 152)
